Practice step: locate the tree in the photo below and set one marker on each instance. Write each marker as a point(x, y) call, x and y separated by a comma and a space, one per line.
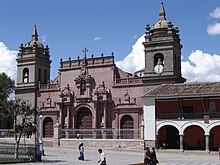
point(23, 117)
point(6, 86)
point(18, 111)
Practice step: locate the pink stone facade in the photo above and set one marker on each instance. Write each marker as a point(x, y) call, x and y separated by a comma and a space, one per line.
point(91, 93)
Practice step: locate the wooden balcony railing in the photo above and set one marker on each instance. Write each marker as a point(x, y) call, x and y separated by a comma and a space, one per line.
point(199, 115)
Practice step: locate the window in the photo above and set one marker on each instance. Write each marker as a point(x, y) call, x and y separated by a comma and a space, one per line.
point(82, 87)
point(212, 107)
point(157, 57)
point(39, 75)
point(45, 76)
point(26, 75)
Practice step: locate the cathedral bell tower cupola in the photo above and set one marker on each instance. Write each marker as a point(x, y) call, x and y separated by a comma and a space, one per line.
point(162, 52)
point(33, 67)
point(33, 62)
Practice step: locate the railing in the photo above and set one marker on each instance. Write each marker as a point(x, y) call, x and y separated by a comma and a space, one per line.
point(5, 133)
point(200, 115)
point(7, 150)
point(101, 133)
point(128, 80)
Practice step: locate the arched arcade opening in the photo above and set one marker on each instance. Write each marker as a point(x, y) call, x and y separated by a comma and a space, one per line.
point(194, 138)
point(168, 137)
point(214, 139)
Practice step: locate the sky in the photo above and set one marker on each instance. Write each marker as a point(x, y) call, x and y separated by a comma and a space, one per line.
point(106, 26)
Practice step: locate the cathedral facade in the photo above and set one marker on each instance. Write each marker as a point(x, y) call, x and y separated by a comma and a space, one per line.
point(92, 92)
point(92, 98)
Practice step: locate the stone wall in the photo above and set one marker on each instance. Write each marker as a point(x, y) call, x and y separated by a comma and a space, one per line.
point(106, 144)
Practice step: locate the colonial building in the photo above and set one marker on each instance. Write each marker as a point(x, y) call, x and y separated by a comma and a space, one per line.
point(92, 98)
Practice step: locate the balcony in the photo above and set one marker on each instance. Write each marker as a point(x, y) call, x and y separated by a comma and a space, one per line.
point(199, 115)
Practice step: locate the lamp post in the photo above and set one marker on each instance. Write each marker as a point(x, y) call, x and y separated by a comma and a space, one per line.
point(41, 136)
point(37, 146)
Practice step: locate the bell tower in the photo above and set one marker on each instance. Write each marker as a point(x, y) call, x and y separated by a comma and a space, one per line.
point(33, 67)
point(162, 52)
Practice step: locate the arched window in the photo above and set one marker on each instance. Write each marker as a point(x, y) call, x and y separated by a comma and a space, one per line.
point(82, 87)
point(212, 107)
point(157, 57)
point(39, 75)
point(26, 75)
point(45, 76)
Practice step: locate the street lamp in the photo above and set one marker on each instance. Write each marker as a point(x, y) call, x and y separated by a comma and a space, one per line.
point(41, 136)
point(37, 146)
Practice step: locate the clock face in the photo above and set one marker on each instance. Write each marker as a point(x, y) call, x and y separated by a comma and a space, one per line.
point(158, 69)
point(25, 80)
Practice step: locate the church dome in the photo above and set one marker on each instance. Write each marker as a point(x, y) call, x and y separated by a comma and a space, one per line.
point(162, 22)
point(34, 40)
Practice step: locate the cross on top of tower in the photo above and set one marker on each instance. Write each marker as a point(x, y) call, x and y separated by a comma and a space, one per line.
point(85, 60)
point(85, 50)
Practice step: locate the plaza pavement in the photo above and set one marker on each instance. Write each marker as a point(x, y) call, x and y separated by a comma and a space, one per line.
point(64, 156)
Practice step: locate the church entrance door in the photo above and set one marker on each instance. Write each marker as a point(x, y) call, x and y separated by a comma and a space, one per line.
point(84, 122)
point(48, 127)
point(84, 118)
point(127, 126)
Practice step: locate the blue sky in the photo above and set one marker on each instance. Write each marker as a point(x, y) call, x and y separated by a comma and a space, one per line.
point(104, 26)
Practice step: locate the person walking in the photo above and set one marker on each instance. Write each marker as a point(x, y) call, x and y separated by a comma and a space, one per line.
point(147, 156)
point(81, 152)
point(154, 156)
point(102, 159)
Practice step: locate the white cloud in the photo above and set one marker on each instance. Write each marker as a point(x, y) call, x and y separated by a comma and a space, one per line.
point(97, 38)
point(214, 28)
point(215, 13)
point(7, 61)
point(199, 67)
point(43, 38)
point(135, 60)
point(202, 67)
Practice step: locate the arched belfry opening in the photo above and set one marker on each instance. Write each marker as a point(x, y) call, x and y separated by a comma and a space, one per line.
point(25, 75)
point(158, 57)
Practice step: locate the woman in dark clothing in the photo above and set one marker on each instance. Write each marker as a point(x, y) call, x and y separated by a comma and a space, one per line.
point(81, 152)
point(147, 157)
point(154, 156)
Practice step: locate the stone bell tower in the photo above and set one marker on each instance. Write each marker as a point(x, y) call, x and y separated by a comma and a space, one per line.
point(33, 67)
point(162, 53)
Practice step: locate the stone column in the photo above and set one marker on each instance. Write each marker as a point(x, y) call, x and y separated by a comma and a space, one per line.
point(94, 122)
point(41, 136)
point(116, 131)
point(142, 130)
point(207, 143)
point(181, 143)
point(57, 134)
point(105, 115)
point(67, 117)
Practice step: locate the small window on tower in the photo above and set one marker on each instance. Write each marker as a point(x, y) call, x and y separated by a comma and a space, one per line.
point(82, 87)
point(157, 57)
point(26, 75)
point(39, 75)
point(45, 76)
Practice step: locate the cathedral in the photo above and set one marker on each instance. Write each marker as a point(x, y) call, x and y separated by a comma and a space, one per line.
point(92, 98)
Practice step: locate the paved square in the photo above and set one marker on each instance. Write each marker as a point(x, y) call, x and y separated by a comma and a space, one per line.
point(66, 156)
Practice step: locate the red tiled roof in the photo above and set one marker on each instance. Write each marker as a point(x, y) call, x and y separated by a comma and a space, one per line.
point(185, 89)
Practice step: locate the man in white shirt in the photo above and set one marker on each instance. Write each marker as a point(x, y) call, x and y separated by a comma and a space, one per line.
point(102, 160)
